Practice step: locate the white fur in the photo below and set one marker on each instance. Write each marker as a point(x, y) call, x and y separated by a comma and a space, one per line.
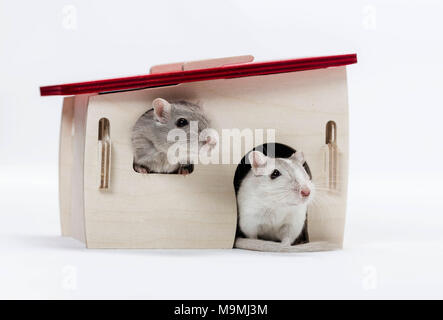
point(274, 209)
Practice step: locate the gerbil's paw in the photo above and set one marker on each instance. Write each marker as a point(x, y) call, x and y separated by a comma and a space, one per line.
point(140, 169)
point(286, 243)
point(184, 169)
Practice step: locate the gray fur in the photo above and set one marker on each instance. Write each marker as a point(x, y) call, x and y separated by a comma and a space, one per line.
point(149, 136)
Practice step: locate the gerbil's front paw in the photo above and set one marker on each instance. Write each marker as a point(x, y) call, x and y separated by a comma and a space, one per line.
point(140, 169)
point(286, 234)
point(286, 242)
point(185, 169)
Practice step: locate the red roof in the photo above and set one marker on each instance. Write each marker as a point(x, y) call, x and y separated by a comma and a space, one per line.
point(176, 77)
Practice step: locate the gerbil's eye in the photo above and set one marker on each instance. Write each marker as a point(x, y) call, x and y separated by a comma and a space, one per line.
point(181, 122)
point(275, 174)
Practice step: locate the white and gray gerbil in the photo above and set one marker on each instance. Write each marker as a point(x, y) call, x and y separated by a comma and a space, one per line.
point(273, 198)
point(149, 135)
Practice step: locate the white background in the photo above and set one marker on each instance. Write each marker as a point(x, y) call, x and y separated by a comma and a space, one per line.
point(394, 230)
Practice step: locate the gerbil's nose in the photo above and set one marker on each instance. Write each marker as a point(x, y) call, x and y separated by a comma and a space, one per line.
point(305, 192)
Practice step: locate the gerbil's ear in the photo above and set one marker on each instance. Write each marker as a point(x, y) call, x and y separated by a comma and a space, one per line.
point(258, 162)
point(162, 110)
point(298, 157)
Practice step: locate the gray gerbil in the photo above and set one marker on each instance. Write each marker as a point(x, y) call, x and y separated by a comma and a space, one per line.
point(273, 197)
point(150, 132)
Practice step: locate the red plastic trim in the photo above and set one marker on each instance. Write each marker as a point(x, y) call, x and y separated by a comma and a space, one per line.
point(225, 72)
